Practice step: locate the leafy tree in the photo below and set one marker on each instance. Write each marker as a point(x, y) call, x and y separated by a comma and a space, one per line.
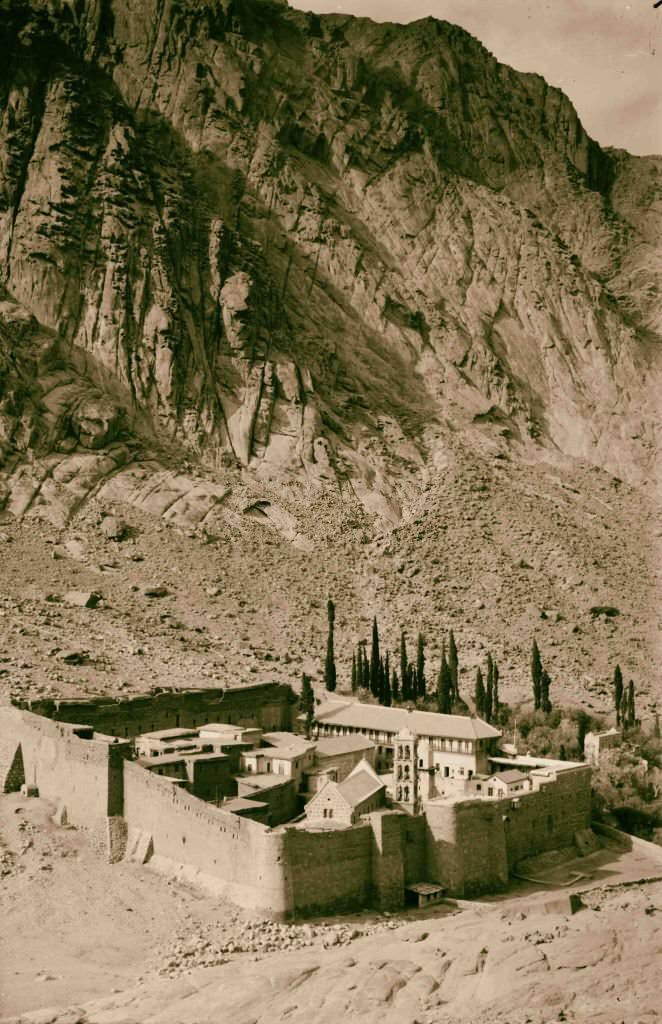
point(656, 726)
point(536, 675)
point(618, 692)
point(307, 702)
point(453, 663)
point(374, 660)
point(330, 662)
point(420, 666)
point(479, 694)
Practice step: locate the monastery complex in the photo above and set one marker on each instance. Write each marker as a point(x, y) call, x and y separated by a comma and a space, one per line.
point(374, 806)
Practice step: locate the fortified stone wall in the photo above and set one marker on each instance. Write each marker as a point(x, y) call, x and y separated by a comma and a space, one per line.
point(548, 819)
point(329, 870)
point(473, 845)
point(388, 868)
point(85, 775)
point(414, 830)
point(268, 705)
point(243, 855)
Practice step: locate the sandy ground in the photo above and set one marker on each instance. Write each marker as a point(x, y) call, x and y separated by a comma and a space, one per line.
point(127, 946)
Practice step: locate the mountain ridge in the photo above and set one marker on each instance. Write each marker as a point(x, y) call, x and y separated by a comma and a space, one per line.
point(322, 262)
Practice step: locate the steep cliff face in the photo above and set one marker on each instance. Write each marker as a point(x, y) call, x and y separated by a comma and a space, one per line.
point(312, 245)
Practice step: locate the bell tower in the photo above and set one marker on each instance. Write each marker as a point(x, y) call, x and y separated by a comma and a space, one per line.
point(405, 769)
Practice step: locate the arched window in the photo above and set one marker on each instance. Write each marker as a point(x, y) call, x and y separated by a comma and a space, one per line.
point(407, 753)
point(398, 793)
point(406, 794)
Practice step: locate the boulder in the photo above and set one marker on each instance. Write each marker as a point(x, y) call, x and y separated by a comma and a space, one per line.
point(83, 598)
point(113, 528)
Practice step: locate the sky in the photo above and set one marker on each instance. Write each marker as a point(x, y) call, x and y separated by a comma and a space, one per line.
point(606, 55)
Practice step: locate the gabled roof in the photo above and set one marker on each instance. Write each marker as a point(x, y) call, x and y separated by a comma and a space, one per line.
point(362, 783)
point(423, 723)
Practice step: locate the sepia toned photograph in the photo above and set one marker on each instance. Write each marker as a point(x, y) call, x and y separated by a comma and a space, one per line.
point(330, 535)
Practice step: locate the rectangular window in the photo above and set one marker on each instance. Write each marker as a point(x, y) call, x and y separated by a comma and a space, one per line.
point(490, 791)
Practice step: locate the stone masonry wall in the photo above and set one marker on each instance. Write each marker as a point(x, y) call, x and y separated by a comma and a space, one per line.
point(388, 872)
point(84, 775)
point(473, 845)
point(245, 857)
point(548, 819)
point(329, 870)
point(268, 705)
point(466, 847)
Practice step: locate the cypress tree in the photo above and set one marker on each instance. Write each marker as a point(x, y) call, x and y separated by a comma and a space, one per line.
point(489, 695)
point(625, 709)
point(404, 663)
point(545, 702)
point(330, 662)
point(387, 696)
point(453, 664)
point(536, 675)
point(355, 678)
point(445, 689)
point(495, 693)
point(420, 666)
point(632, 716)
point(307, 702)
point(411, 682)
point(479, 694)
point(395, 687)
point(582, 729)
point(618, 692)
point(656, 726)
point(374, 660)
point(562, 754)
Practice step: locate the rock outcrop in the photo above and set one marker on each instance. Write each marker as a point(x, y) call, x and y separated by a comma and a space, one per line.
point(309, 247)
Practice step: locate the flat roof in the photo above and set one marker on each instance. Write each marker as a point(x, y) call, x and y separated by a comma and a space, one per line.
point(165, 759)
point(514, 775)
point(425, 888)
point(214, 755)
point(329, 746)
point(265, 780)
point(168, 734)
point(356, 715)
point(287, 753)
point(279, 738)
point(242, 803)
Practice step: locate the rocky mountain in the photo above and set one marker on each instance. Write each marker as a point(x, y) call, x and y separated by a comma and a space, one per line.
point(336, 278)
